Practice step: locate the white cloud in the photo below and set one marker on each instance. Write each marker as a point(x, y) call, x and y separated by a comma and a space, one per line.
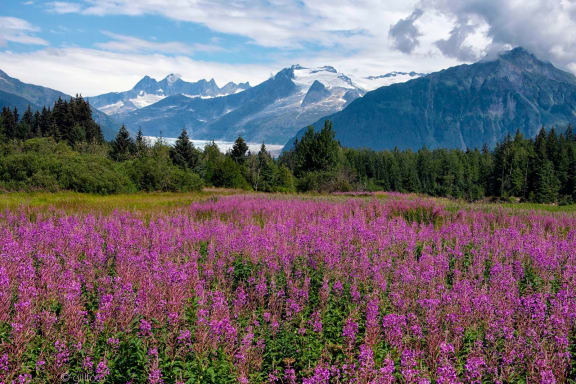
point(64, 7)
point(92, 72)
point(123, 43)
point(470, 28)
point(544, 27)
point(269, 23)
point(351, 35)
point(13, 29)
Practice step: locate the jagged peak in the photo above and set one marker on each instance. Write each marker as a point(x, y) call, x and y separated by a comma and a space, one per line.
point(317, 85)
point(145, 81)
point(519, 55)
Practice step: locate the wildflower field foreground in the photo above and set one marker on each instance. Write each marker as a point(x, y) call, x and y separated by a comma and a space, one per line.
point(269, 289)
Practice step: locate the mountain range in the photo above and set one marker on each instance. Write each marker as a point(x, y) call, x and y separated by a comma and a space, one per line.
point(149, 91)
point(270, 112)
point(465, 106)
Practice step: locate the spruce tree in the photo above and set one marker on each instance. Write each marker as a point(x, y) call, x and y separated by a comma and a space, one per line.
point(36, 129)
point(183, 153)
point(45, 121)
point(315, 152)
point(9, 123)
point(546, 186)
point(239, 151)
point(62, 119)
point(24, 129)
point(123, 146)
point(265, 171)
point(141, 145)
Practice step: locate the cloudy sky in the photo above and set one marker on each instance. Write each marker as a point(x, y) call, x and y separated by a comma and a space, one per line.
point(97, 46)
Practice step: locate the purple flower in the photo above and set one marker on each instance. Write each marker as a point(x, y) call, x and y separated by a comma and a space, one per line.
point(350, 330)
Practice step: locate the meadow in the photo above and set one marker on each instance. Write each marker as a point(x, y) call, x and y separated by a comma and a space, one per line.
point(218, 287)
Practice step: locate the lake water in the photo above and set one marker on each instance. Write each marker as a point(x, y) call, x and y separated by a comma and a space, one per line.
point(224, 146)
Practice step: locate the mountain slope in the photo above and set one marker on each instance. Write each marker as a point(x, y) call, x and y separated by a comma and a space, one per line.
point(15, 101)
point(272, 111)
point(18, 94)
point(149, 91)
point(461, 107)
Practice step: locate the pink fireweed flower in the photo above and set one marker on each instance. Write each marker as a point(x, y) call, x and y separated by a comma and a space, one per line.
point(350, 330)
point(102, 370)
point(145, 328)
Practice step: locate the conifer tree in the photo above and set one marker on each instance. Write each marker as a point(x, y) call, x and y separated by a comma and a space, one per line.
point(45, 122)
point(141, 145)
point(239, 151)
point(36, 129)
point(24, 129)
point(265, 171)
point(546, 185)
point(183, 154)
point(315, 152)
point(9, 123)
point(123, 146)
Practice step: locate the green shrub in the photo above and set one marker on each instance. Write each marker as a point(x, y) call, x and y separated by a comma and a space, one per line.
point(158, 174)
point(43, 164)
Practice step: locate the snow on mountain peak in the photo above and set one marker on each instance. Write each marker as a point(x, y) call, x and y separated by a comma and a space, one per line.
point(373, 82)
point(328, 76)
point(172, 78)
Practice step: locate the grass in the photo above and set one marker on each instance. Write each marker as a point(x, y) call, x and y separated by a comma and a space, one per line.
point(163, 201)
point(541, 207)
point(81, 202)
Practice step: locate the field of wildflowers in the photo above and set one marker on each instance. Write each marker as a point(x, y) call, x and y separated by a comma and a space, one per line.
point(255, 289)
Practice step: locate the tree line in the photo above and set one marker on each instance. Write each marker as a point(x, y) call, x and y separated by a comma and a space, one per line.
point(68, 120)
point(63, 148)
point(540, 170)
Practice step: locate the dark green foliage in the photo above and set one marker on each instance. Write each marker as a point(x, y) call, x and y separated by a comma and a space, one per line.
point(239, 151)
point(315, 152)
point(74, 157)
point(9, 122)
point(123, 147)
point(70, 121)
point(130, 362)
point(318, 162)
point(227, 173)
point(541, 170)
point(268, 176)
point(184, 154)
point(156, 172)
point(43, 164)
point(141, 147)
point(546, 184)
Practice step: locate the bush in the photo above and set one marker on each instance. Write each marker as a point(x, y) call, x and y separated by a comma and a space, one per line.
point(329, 181)
point(226, 173)
point(35, 170)
point(158, 174)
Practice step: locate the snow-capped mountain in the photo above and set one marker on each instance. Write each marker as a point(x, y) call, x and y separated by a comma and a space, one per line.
point(149, 91)
point(462, 107)
point(272, 111)
point(371, 83)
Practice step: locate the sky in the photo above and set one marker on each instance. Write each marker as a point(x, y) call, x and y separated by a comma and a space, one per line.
point(97, 46)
